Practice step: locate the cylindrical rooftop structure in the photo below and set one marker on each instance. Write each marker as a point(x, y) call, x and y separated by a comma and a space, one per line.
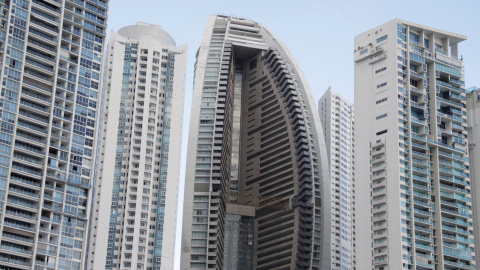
point(147, 30)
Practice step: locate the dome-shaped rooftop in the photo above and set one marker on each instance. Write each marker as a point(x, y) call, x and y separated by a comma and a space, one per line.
point(147, 30)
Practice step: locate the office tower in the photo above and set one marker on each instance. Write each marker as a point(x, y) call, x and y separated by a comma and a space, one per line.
point(256, 156)
point(473, 127)
point(413, 201)
point(139, 161)
point(51, 55)
point(336, 116)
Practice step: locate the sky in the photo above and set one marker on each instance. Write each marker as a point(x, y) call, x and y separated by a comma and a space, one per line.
point(319, 34)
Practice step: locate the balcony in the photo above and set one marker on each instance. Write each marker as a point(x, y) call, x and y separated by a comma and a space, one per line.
point(466, 255)
point(23, 192)
point(38, 76)
point(449, 102)
point(27, 147)
point(20, 214)
point(36, 86)
point(43, 15)
point(22, 202)
point(48, 7)
point(11, 259)
point(25, 181)
point(15, 248)
point(45, 68)
point(44, 37)
point(44, 26)
point(19, 225)
point(34, 96)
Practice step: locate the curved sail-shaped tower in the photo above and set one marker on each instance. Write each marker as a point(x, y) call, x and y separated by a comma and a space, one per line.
point(256, 157)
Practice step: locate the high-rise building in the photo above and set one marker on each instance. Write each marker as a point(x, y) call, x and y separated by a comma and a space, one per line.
point(50, 57)
point(256, 156)
point(136, 192)
point(336, 116)
point(413, 202)
point(473, 128)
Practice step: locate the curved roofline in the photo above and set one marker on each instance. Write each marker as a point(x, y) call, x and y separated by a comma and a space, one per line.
point(146, 30)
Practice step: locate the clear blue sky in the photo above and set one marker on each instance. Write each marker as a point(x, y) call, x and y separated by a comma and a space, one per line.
point(318, 33)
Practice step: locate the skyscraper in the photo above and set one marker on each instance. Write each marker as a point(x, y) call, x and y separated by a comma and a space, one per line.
point(256, 156)
point(413, 201)
point(336, 116)
point(139, 160)
point(51, 56)
point(473, 126)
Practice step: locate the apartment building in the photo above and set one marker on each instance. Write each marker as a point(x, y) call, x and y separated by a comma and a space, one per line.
point(51, 54)
point(337, 119)
point(136, 193)
point(413, 192)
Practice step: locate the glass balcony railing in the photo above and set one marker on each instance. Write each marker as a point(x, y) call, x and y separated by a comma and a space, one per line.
point(29, 148)
point(17, 237)
point(33, 116)
point(43, 46)
point(25, 181)
point(34, 106)
point(27, 170)
point(42, 35)
point(43, 15)
point(457, 253)
point(38, 75)
point(32, 94)
point(19, 214)
point(457, 81)
point(22, 202)
point(447, 85)
point(44, 25)
point(19, 225)
point(24, 192)
point(13, 260)
point(37, 86)
point(57, 10)
point(15, 248)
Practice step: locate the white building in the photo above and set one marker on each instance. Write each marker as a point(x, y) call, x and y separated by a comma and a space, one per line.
point(413, 201)
point(51, 54)
point(337, 118)
point(139, 159)
point(473, 124)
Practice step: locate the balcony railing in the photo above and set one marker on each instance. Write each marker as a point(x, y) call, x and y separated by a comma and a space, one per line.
point(38, 86)
point(57, 10)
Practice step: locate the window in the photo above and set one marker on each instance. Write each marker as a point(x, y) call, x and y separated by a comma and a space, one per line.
point(364, 51)
point(382, 38)
point(381, 116)
point(381, 100)
point(382, 85)
point(380, 70)
point(381, 132)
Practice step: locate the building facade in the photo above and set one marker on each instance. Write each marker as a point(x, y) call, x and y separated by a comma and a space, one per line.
point(256, 156)
point(337, 118)
point(413, 199)
point(473, 127)
point(136, 192)
point(50, 56)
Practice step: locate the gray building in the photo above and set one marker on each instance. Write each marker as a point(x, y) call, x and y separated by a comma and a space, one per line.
point(337, 118)
point(473, 128)
point(256, 155)
point(51, 55)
